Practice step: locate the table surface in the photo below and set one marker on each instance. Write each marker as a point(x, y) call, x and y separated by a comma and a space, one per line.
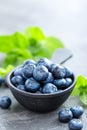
point(64, 19)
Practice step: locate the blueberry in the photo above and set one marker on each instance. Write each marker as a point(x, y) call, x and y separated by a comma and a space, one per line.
point(29, 62)
point(2, 80)
point(69, 73)
point(45, 62)
point(75, 124)
point(5, 102)
point(53, 66)
point(18, 71)
point(68, 82)
point(59, 72)
point(49, 88)
point(21, 87)
point(60, 83)
point(49, 79)
point(77, 111)
point(40, 73)
point(17, 80)
point(31, 85)
point(28, 70)
point(65, 115)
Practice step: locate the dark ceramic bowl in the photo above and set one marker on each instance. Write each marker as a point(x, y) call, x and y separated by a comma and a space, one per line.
point(39, 102)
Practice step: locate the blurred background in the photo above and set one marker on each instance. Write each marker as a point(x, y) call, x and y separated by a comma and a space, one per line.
point(65, 19)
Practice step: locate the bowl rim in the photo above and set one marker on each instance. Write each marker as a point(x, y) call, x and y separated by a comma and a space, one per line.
point(10, 85)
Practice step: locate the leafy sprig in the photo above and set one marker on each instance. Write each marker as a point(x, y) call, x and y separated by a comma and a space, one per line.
point(32, 43)
point(29, 44)
point(81, 89)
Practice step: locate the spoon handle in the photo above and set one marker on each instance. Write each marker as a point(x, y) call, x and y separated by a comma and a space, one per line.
point(60, 56)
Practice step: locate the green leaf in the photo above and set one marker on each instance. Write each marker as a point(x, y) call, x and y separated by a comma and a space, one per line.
point(53, 43)
point(34, 33)
point(81, 81)
point(76, 91)
point(2, 72)
point(81, 89)
point(44, 48)
point(19, 40)
point(32, 43)
point(16, 57)
point(6, 43)
point(5, 71)
point(83, 98)
point(39, 50)
point(53, 40)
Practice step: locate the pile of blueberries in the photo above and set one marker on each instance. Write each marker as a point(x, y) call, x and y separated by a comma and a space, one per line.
point(42, 77)
point(71, 117)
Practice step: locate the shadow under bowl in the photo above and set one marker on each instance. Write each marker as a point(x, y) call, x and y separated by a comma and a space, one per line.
point(39, 102)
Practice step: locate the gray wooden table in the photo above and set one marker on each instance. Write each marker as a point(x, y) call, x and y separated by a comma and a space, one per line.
point(64, 19)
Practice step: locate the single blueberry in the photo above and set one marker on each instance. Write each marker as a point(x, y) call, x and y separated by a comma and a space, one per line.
point(31, 85)
point(77, 111)
point(40, 73)
point(75, 124)
point(69, 73)
point(45, 62)
point(49, 88)
point(59, 72)
point(18, 71)
point(60, 83)
point(2, 80)
point(5, 102)
point(52, 67)
point(17, 80)
point(21, 87)
point(68, 82)
point(28, 70)
point(65, 115)
point(49, 79)
point(29, 62)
